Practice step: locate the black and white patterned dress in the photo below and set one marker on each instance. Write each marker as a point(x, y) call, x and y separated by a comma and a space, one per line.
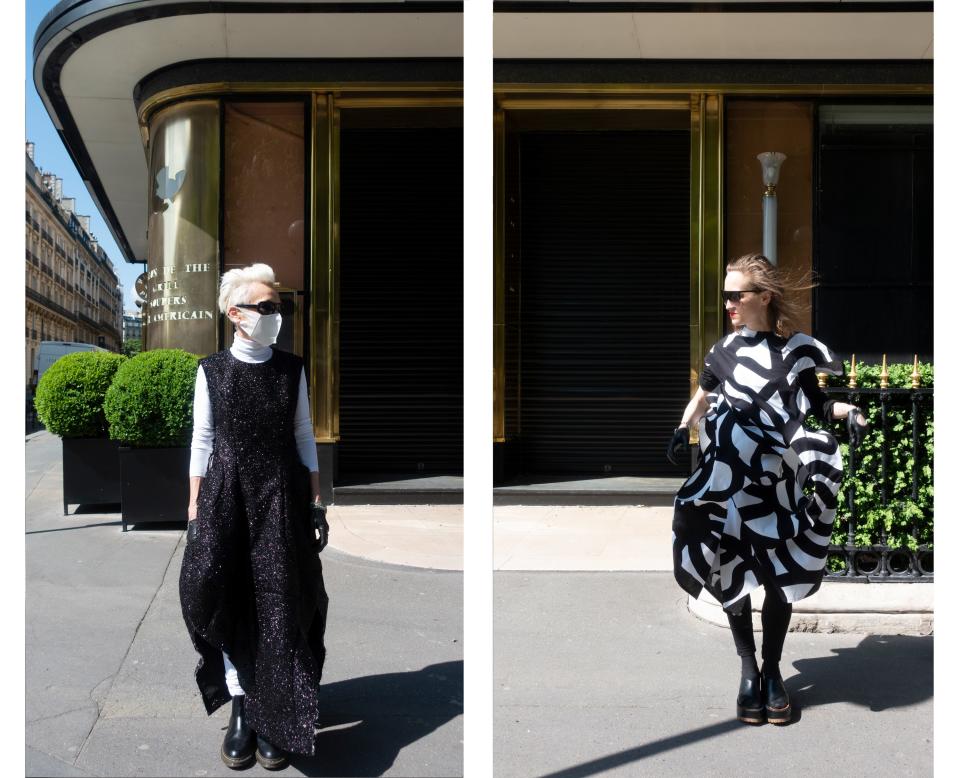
point(761, 503)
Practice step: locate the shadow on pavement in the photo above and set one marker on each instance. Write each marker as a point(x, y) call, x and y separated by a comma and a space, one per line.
point(85, 508)
point(621, 758)
point(116, 523)
point(367, 721)
point(881, 672)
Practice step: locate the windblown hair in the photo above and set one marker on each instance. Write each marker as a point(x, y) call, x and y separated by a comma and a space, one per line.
point(235, 283)
point(784, 309)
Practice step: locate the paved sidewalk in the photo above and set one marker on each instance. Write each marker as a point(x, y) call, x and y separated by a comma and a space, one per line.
point(638, 538)
point(428, 536)
point(109, 667)
point(582, 537)
point(608, 674)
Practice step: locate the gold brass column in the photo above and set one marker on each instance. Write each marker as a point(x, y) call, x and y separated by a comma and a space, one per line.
point(183, 228)
point(324, 269)
point(706, 227)
point(499, 276)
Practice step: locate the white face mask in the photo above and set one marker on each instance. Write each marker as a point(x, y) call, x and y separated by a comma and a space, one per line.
point(262, 329)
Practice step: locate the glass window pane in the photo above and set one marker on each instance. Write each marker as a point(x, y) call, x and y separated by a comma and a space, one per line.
point(263, 203)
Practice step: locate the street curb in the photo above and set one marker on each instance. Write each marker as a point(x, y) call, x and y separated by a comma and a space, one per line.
point(874, 609)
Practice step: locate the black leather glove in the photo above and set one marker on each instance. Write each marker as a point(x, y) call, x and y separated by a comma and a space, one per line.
point(857, 431)
point(320, 526)
point(191, 531)
point(679, 443)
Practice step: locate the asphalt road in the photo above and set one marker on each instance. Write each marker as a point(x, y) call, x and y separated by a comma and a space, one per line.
point(109, 667)
point(608, 673)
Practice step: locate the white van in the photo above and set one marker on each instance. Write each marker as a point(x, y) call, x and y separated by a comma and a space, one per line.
point(51, 350)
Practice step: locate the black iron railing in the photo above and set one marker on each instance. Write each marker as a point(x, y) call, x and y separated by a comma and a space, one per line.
point(891, 474)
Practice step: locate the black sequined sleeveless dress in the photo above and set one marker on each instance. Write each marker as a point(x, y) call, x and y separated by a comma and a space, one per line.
point(251, 583)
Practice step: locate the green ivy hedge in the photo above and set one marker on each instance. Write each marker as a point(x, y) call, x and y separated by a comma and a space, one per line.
point(150, 403)
point(908, 522)
point(70, 395)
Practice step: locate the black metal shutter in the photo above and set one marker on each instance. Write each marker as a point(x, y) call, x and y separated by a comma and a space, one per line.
point(874, 241)
point(401, 304)
point(605, 286)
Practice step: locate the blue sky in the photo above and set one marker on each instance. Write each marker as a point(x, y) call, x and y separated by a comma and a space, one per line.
point(52, 157)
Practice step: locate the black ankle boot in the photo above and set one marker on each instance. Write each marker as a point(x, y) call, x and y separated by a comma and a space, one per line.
point(776, 701)
point(270, 756)
point(749, 700)
point(239, 743)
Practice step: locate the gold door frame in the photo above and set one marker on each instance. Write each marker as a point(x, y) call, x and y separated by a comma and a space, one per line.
point(514, 102)
point(706, 106)
point(326, 102)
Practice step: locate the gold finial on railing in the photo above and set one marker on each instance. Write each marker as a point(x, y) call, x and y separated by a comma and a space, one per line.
point(822, 380)
point(884, 374)
point(852, 384)
point(915, 375)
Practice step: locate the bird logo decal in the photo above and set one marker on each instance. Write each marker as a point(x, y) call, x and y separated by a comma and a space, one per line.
point(167, 187)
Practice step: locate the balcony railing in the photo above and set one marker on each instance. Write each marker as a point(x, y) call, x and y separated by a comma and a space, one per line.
point(44, 300)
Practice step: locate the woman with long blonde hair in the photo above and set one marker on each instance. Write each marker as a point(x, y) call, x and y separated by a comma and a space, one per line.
point(760, 505)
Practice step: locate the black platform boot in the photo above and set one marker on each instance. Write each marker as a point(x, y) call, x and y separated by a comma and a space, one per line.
point(750, 701)
point(270, 756)
point(775, 698)
point(239, 743)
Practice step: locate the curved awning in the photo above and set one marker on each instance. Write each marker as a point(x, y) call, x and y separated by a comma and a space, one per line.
point(89, 56)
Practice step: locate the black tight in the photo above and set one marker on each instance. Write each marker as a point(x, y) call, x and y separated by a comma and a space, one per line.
point(774, 618)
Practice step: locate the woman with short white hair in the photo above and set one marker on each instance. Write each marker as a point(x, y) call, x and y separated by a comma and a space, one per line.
point(251, 584)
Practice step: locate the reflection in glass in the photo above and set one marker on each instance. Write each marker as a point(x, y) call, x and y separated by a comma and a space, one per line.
point(263, 203)
point(184, 153)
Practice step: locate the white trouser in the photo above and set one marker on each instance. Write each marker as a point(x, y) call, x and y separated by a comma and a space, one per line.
point(233, 683)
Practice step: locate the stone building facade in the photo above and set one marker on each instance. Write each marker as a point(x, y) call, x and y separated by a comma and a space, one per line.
point(72, 289)
point(132, 325)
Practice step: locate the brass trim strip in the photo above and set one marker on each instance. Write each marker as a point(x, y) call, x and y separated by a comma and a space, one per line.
point(321, 374)
point(711, 89)
point(499, 276)
point(588, 103)
point(706, 229)
point(220, 88)
point(712, 222)
point(696, 242)
point(333, 383)
point(399, 102)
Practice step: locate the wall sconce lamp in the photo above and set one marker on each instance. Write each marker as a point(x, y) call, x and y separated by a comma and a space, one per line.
point(770, 162)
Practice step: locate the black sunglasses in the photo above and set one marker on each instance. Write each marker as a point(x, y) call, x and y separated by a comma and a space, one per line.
point(269, 307)
point(735, 297)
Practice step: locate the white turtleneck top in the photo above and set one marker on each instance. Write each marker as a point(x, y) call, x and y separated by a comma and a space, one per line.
point(202, 445)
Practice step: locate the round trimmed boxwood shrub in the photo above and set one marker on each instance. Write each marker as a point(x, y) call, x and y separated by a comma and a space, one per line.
point(150, 403)
point(70, 394)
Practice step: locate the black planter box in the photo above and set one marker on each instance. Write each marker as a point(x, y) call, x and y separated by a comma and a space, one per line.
point(91, 471)
point(154, 484)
